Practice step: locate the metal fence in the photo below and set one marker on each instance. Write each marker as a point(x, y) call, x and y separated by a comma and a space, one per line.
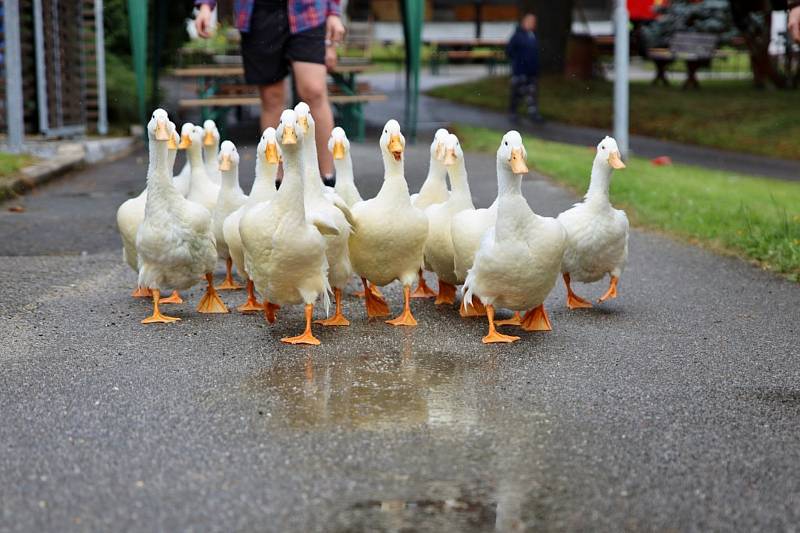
point(53, 67)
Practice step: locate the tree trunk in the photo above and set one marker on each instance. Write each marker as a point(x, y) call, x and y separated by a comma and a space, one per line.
point(554, 24)
point(756, 37)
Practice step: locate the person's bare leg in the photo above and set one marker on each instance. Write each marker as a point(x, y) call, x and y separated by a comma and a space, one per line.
point(312, 86)
point(273, 99)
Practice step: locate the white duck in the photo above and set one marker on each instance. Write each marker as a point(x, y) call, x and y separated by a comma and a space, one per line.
point(318, 204)
point(434, 188)
point(263, 190)
point(519, 259)
point(345, 187)
point(202, 190)
point(597, 234)
point(211, 151)
point(467, 229)
point(175, 244)
point(131, 213)
point(284, 253)
point(389, 233)
point(433, 191)
point(439, 252)
point(229, 200)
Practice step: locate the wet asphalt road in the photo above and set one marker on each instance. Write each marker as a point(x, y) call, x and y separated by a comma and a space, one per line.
point(674, 407)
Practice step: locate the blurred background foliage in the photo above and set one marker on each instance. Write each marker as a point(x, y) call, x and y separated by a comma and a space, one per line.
point(120, 79)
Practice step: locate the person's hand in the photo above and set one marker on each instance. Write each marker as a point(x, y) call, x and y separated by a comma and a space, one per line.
point(203, 21)
point(334, 30)
point(794, 23)
point(331, 57)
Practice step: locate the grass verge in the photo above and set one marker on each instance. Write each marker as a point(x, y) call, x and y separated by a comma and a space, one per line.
point(731, 115)
point(751, 217)
point(11, 163)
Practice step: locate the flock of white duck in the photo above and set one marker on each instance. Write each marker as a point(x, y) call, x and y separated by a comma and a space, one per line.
point(302, 241)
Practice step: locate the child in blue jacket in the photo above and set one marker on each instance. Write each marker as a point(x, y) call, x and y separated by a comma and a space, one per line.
point(523, 53)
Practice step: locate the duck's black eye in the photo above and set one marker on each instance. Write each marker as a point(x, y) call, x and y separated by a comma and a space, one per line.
point(602, 147)
point(505, 142)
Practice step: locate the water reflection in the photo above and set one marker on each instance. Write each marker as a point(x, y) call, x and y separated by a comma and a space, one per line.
point(373, 391)
point(456, 398)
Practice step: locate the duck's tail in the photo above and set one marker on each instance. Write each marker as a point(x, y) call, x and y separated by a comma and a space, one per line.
point(327, 291)
point(468, 289)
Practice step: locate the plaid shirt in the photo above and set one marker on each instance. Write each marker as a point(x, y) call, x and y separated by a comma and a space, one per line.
point(303, 15)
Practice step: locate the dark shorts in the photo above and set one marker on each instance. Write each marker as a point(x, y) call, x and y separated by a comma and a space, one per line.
point(269, 48)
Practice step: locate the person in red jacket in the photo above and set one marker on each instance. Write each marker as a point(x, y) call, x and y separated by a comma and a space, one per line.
point(283, 35)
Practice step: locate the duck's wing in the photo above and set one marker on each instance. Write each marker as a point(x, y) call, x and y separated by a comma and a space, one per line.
point(337, 201)
point(324, 223)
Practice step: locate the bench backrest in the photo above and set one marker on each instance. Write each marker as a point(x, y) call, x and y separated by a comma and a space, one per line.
point(358, 39)
point(693, 45)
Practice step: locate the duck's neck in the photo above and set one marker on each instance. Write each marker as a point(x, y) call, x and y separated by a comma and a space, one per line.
point(195, 155)
point(171, 155)
point(210, 154)
point(265, 176)
point(599, 183)
point(290, 195)
point(394, 179)
point(508, 183)
point(230, 178)
point(460, 193)
point(157, 172)
point(152, 154)
point(311, 177)
point(344, 169)
point(436, 178)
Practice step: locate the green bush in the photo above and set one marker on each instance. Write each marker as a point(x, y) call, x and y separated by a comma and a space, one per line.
point(121, 91)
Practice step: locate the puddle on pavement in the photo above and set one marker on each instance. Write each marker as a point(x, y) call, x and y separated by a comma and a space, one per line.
point(406, 389)
point(373, 391)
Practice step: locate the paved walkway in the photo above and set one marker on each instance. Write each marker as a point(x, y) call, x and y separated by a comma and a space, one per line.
point(673, 407)
point(435, 113)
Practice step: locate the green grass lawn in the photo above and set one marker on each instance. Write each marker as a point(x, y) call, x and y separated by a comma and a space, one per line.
point(751, 217)
point(11, 163)
point(724, 114)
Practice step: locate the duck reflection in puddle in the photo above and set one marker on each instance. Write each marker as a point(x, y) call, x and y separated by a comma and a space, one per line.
point(446, 394)
point(375, 391)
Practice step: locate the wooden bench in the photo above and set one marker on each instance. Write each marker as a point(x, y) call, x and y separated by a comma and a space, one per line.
point(489, 52)
point(696, 49)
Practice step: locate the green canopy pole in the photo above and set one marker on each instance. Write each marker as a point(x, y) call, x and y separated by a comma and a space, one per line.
point(413, 15)
point(158, 44)
point(137, 14)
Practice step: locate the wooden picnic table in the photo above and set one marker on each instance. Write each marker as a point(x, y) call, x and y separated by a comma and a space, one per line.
point(225, 71)
point(347, 96)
